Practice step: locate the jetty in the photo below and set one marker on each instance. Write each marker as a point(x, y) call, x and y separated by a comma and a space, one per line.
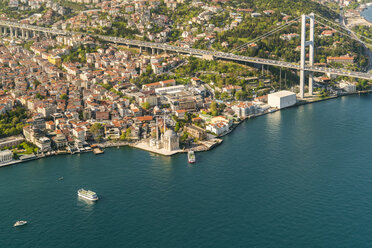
point(98, 151)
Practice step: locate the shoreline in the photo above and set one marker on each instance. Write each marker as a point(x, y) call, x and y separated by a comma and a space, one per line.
point(216, 141)
point(367, 8)
point(356, 18)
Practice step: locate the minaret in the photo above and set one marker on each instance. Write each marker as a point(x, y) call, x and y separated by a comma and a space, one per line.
point(164, 123)
point(157, 129)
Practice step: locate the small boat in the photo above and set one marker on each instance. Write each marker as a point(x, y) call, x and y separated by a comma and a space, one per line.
point(88, 194)
point(20, 223)
point(191, 157)
point(61, 178)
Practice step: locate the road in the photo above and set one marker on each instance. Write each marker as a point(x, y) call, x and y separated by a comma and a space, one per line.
point(192, 51)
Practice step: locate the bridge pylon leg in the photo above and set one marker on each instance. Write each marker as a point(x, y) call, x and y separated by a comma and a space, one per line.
point(303, 56)
point(311, 52)
point(304, 44)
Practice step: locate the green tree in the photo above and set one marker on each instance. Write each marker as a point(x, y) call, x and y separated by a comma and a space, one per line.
point(128, 133)
point(241, 95)
point(214, 109)
point(123, 136)
point(96, 129)
point(63, 96)
point(177, 127)
point(145, 105)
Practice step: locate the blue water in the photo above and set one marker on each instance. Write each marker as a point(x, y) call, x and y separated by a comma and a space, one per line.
point(301, 177)
point(367, 13)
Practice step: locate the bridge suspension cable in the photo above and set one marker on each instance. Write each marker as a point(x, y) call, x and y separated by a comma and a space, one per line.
point(266, 35)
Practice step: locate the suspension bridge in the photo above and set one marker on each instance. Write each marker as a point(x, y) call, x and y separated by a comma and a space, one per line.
point(25, 31)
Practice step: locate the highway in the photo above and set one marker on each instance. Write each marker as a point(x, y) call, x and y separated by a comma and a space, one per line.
point(192, 51)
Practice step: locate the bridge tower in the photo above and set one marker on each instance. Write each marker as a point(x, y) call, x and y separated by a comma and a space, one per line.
point(304, 44)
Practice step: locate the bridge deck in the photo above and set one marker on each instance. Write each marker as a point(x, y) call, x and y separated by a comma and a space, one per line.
point(192, 51)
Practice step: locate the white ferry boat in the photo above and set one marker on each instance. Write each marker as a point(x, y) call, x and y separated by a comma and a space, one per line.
point(88, 194)
point(20, 223)
point(191, 157)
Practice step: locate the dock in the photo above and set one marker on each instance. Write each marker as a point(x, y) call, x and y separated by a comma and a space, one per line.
point(143, 145)
point(98, 151)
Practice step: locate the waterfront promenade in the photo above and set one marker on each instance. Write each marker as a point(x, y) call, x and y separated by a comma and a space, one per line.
point(200, 147)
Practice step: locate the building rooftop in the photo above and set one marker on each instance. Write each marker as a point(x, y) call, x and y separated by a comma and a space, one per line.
point(282, 93)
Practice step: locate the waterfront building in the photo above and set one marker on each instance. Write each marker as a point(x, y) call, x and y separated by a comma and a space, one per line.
point(6, 156)
point(171, 141)
point(282, 99)
point(218, 127)
point(196, 132)
point(11, 141)
point(79, 133)
point(60, 140)
point(348, 87)
point(218, 119)
point(243, 109)
point(43, 144)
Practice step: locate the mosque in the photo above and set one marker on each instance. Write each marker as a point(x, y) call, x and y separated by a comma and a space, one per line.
point(169, 140)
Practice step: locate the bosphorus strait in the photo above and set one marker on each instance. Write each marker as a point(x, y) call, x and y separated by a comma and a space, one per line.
point(301, 177)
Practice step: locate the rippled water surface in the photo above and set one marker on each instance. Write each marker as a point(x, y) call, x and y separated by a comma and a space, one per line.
point(301, 177)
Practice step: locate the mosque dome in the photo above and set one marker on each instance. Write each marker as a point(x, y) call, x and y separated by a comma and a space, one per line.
point(169, 134)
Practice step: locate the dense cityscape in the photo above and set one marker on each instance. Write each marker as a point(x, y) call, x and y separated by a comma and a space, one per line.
point(77, 92)
point(185, 123)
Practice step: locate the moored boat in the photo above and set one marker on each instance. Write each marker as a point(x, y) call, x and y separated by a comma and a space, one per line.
point(88, 194)
point(191, 157)
point(20, 223)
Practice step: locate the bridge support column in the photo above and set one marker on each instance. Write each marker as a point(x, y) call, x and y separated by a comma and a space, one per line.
point(23, 33)
point(311, 53)
point(27, 34)
point(153, 50)
point(304, 44)
point(158, 51)
point(141, 49)
point(303, 56)
point(11, 32)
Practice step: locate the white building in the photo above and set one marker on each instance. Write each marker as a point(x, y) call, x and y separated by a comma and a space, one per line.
point(6, 156)
point(43, 144)
point(282, 99)
point(218, 127)
point(171, 141)
point(348, 87)
point(170, 89)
